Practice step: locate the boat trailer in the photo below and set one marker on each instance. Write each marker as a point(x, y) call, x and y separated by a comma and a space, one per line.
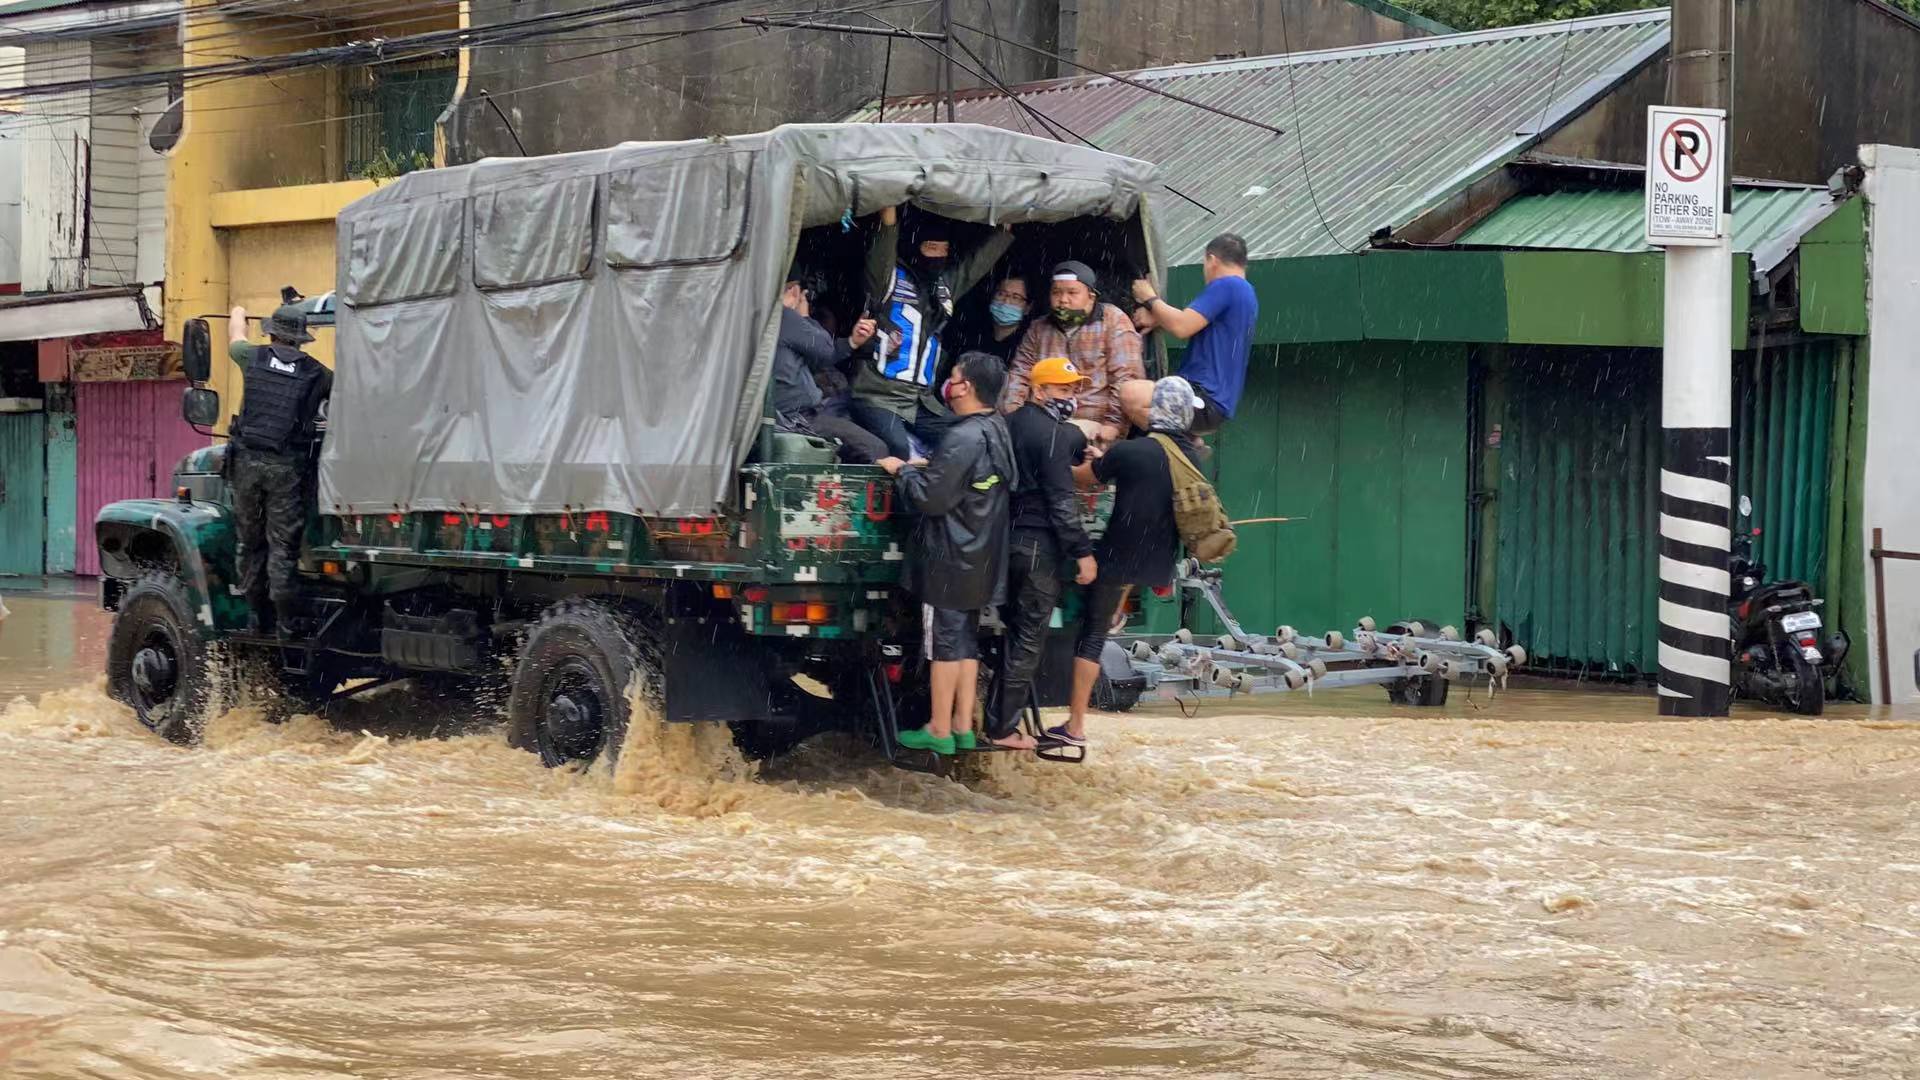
point(1414, 661)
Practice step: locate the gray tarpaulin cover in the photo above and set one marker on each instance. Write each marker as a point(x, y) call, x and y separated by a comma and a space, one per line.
point(594, 331)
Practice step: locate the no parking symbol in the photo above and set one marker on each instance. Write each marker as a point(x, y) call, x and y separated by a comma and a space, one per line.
point(1686, 172)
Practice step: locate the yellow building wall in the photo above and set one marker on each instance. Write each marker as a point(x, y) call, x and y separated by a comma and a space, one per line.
point(253, 184)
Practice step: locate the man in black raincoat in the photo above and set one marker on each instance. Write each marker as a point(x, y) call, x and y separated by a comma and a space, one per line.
point(959, 562)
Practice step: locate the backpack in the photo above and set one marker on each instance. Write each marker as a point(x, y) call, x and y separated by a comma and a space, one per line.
point(1197, 513)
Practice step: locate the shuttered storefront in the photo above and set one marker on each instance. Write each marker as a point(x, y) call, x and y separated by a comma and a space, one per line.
point(130, 437)
point(1579, 480)
point(23, 510)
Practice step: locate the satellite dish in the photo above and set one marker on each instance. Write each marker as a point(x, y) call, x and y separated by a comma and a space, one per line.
point(165, 133)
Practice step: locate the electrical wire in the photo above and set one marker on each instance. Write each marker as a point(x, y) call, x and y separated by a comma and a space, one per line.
point(388, 50)
point(1300, 137)
point(48, 119)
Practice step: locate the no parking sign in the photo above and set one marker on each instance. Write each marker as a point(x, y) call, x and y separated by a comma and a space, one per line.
point(1686, 175)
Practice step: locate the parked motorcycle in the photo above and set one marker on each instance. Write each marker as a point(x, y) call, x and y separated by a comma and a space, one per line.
point(1778, 657)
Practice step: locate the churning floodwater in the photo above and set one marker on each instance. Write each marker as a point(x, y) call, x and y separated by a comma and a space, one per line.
point(1540, 885)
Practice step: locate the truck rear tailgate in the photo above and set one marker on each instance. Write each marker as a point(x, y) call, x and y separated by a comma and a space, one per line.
point(825, 523)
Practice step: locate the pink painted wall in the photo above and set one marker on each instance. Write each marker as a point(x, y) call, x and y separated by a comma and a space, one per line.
point(130, 438)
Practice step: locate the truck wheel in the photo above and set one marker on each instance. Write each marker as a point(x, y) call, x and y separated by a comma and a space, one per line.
point(568, 700)
point(1427, 691)
point(156, 661)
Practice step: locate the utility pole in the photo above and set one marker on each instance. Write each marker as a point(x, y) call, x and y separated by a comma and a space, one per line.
point(946, 55)
point(1696, 395)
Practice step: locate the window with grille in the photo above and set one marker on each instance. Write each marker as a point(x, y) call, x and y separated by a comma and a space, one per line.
point(390, 115)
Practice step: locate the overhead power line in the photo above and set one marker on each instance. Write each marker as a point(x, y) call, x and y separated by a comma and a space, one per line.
point(388, 50)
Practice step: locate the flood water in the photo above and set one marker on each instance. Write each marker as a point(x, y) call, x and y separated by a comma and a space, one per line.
point(1543, 885)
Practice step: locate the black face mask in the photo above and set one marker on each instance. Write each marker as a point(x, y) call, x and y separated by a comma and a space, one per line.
point(929, 266)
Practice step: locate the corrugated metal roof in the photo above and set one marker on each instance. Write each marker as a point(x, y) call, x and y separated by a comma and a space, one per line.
point(1765, 218)
point(1384, 130)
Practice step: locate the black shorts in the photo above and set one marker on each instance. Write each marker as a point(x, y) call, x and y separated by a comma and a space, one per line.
point(1207, 418)
point(947, 634)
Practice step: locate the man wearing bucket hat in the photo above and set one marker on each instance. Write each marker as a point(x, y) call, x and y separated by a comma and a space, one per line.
point(285, 391)
point(1047, 533)
point(1096, 336)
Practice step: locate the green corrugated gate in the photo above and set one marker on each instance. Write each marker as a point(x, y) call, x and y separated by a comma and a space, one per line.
point(1578, 497)
point(1783, 417)
point(1578, 493)
point(62, 486)
point(1365, 446)
point(23, 508)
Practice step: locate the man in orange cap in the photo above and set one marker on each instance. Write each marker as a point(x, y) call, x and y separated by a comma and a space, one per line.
point(1047, 534)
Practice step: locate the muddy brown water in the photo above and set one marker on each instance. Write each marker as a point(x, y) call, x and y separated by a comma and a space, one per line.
point(1330, 887)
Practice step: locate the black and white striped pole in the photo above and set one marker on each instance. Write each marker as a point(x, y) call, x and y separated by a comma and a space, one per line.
point(1688, 212)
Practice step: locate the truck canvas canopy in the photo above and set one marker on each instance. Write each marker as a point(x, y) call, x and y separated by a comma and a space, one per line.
point(595, 331)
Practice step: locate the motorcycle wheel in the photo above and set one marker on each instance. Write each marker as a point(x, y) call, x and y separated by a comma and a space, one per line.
point(1808, 694)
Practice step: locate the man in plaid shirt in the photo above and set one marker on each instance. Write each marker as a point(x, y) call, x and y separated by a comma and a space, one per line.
point(1097, 337)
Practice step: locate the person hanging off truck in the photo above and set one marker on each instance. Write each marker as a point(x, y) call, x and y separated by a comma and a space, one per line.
point(285, 397)
point(959, 560)
point(1219, 326)
point(911, 289)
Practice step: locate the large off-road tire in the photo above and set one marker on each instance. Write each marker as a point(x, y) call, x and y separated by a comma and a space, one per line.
point(1426, 691)
point(1808, 694)
point(568, 697)
point(156, 660)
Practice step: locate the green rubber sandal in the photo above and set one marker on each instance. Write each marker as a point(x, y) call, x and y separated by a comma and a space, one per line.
point(965, 740)
point(920, 739)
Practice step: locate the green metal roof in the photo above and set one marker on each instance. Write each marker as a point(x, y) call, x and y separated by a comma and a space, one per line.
point(1374, 134)
point(1764, 219)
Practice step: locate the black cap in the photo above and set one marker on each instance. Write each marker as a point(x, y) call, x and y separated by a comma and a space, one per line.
point(1077, 271)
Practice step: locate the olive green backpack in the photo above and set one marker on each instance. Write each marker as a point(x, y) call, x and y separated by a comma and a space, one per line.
point(1197, 513)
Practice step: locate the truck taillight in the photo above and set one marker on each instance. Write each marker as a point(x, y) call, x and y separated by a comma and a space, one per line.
point(802, 613)
point(754, 594)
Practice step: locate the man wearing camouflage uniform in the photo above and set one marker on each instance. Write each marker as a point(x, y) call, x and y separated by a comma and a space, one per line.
point(270, 445)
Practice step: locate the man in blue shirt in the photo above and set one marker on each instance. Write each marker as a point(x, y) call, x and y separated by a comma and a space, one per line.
point(1219, 325)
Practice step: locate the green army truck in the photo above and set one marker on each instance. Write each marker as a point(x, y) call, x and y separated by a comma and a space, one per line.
point(550, 468)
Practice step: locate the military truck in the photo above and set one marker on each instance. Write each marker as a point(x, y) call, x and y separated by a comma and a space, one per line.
point(550, 468)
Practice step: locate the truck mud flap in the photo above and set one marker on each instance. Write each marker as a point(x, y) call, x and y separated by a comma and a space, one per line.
point(712, 672)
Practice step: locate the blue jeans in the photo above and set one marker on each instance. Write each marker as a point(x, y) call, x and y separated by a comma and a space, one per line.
point(927, 426)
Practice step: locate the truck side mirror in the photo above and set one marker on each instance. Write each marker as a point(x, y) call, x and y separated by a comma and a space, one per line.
point(200, 407)
point(196, 350)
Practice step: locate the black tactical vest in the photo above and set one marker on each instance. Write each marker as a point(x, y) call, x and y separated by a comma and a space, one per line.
point(274, 416)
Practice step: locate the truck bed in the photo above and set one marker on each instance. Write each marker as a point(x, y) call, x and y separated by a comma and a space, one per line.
point(790, 523)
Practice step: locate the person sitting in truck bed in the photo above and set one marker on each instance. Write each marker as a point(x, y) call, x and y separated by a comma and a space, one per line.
point(959, 563)
point(805, 348)
point(911, 291)
point(1099, 339)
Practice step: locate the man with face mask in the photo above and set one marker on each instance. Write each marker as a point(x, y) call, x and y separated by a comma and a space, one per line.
point(1047, 532)
point(959, 560)
point(1096, 336)
point(912, 297)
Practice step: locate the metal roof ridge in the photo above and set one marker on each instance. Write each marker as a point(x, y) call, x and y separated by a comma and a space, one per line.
point(1384, 48)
